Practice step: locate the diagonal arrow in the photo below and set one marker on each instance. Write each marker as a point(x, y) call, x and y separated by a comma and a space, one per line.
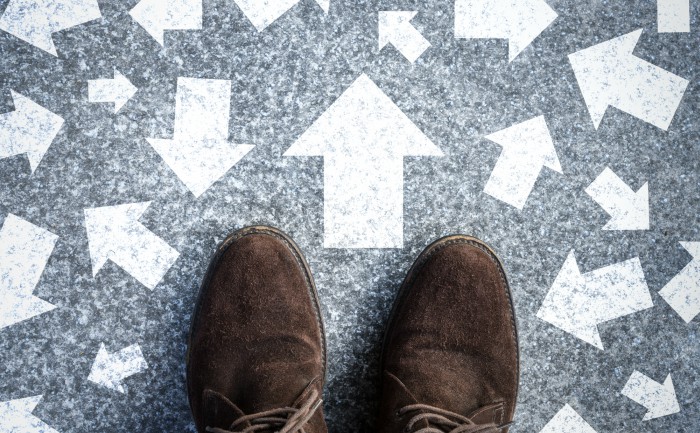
point(200, 153)
point(363, 138)
point(660, 400)
point(395, 28)
point(117, 90)
point(29, 129)
point(673, 16)
point(157, 16)
point(527, 147)
point(262, 13)
point(567, 421)
point(610, 75)
point(629, 210)
point(34, 22)
point(16, 416)
point(114, 233)
point(577, 303)
point(24, 251)
point(682, 293)
point(109, 370)
point(519, 21)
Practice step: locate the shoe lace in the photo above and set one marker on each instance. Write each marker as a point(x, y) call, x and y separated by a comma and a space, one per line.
point(282, 420)
point(443, 421)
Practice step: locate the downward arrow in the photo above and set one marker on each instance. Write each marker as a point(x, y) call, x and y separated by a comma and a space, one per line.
point(610, 75)
point(115, 234)
point(200, 152)
point(577, 303)
point(629, 210)
point(262, 13)
point(29, 129)
point(16, 416)
point(527, 147)
point(363, 137)
point(109, 370)
point(682, 293)
point(395, 28)
point(117, 90)
point(35, 21)
point(24, 251)
point(519, 21)
point(673, 16)
point(156, 16)
point(567, 421)
point(660, 400)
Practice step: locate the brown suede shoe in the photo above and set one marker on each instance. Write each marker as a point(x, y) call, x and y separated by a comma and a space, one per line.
point(256, 359)
point(450, 358)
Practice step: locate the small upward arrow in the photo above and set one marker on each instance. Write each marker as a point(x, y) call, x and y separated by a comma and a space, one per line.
point(682, 293)
point(117, 90)
point(527, 147)
point(109, 370)
point(363, 138)
point(577, 303)
point(29, 129)
point(157, 16)
point(629, 210)
point(114, 233)
point(34, 22)
point(24, 251)
point(519, 21)
point(395, 28)
point(16, 416)
point(660, 400)
point(610, 75)
point(262, 14)
point(567, 421)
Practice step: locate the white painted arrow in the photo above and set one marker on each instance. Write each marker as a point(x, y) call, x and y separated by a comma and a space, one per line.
point(114, 233)
point(24, 251)
point(682, 293)
point(610, 75)
point(660, 400)
point(567, 421)
point(109, 370)
point(157, 16)
point(673, 16)
point(519, 21)
point(629, 210)
point(262, 13)
point(117, 90)
point(527, 147)
point(200, 152)
point(395, 28)
point(29, 129)
point(577, 303)
point(16, 416)
point(35, 21)
point(363, 138)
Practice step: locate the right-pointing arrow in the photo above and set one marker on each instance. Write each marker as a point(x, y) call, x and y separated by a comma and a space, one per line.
point(629, 210)
point(682, 293)
point(659, 399)
point(117, 90)
point(577, 303)
point(395, 28)
point(610, 75)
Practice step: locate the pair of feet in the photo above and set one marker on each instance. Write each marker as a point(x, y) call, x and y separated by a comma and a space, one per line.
point(256, 360)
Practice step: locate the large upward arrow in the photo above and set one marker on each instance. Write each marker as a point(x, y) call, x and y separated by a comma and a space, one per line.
point(200, 152)
point(109, 370)
point(577, 302)
point(395, 28)
point(519, 21)
point(16, 416)
point(363, 137)
point(610, 75)
point(114, 233)
point(629, 210)
point(527, 147)
point(567, 420)
point(156, 16)
point(263, 13)
point(117, 90)
point(682, 293)
point(29, 129)
point(659, 399)
point(35, 21)
point(24, 251)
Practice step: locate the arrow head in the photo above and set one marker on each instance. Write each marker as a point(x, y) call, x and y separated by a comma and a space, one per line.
point(629, 210)
point(659, 399)
point(636, 213)
point(101, 371)
point(531, 140)
point(391, 23)
point(151, 15)
point(325, 5)
point(530, 19)
point(125, 90)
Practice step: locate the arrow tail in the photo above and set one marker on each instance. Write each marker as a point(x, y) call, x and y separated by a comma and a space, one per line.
point(673, 16)
point(512, 179)
point(202, 109)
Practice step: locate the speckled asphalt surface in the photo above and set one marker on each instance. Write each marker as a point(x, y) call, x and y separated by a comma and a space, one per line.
point(283, 78)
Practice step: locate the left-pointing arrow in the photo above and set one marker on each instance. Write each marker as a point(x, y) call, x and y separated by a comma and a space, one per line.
point(117, 90)
point(109, 370)
point(16, 416)
point(24, 251)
